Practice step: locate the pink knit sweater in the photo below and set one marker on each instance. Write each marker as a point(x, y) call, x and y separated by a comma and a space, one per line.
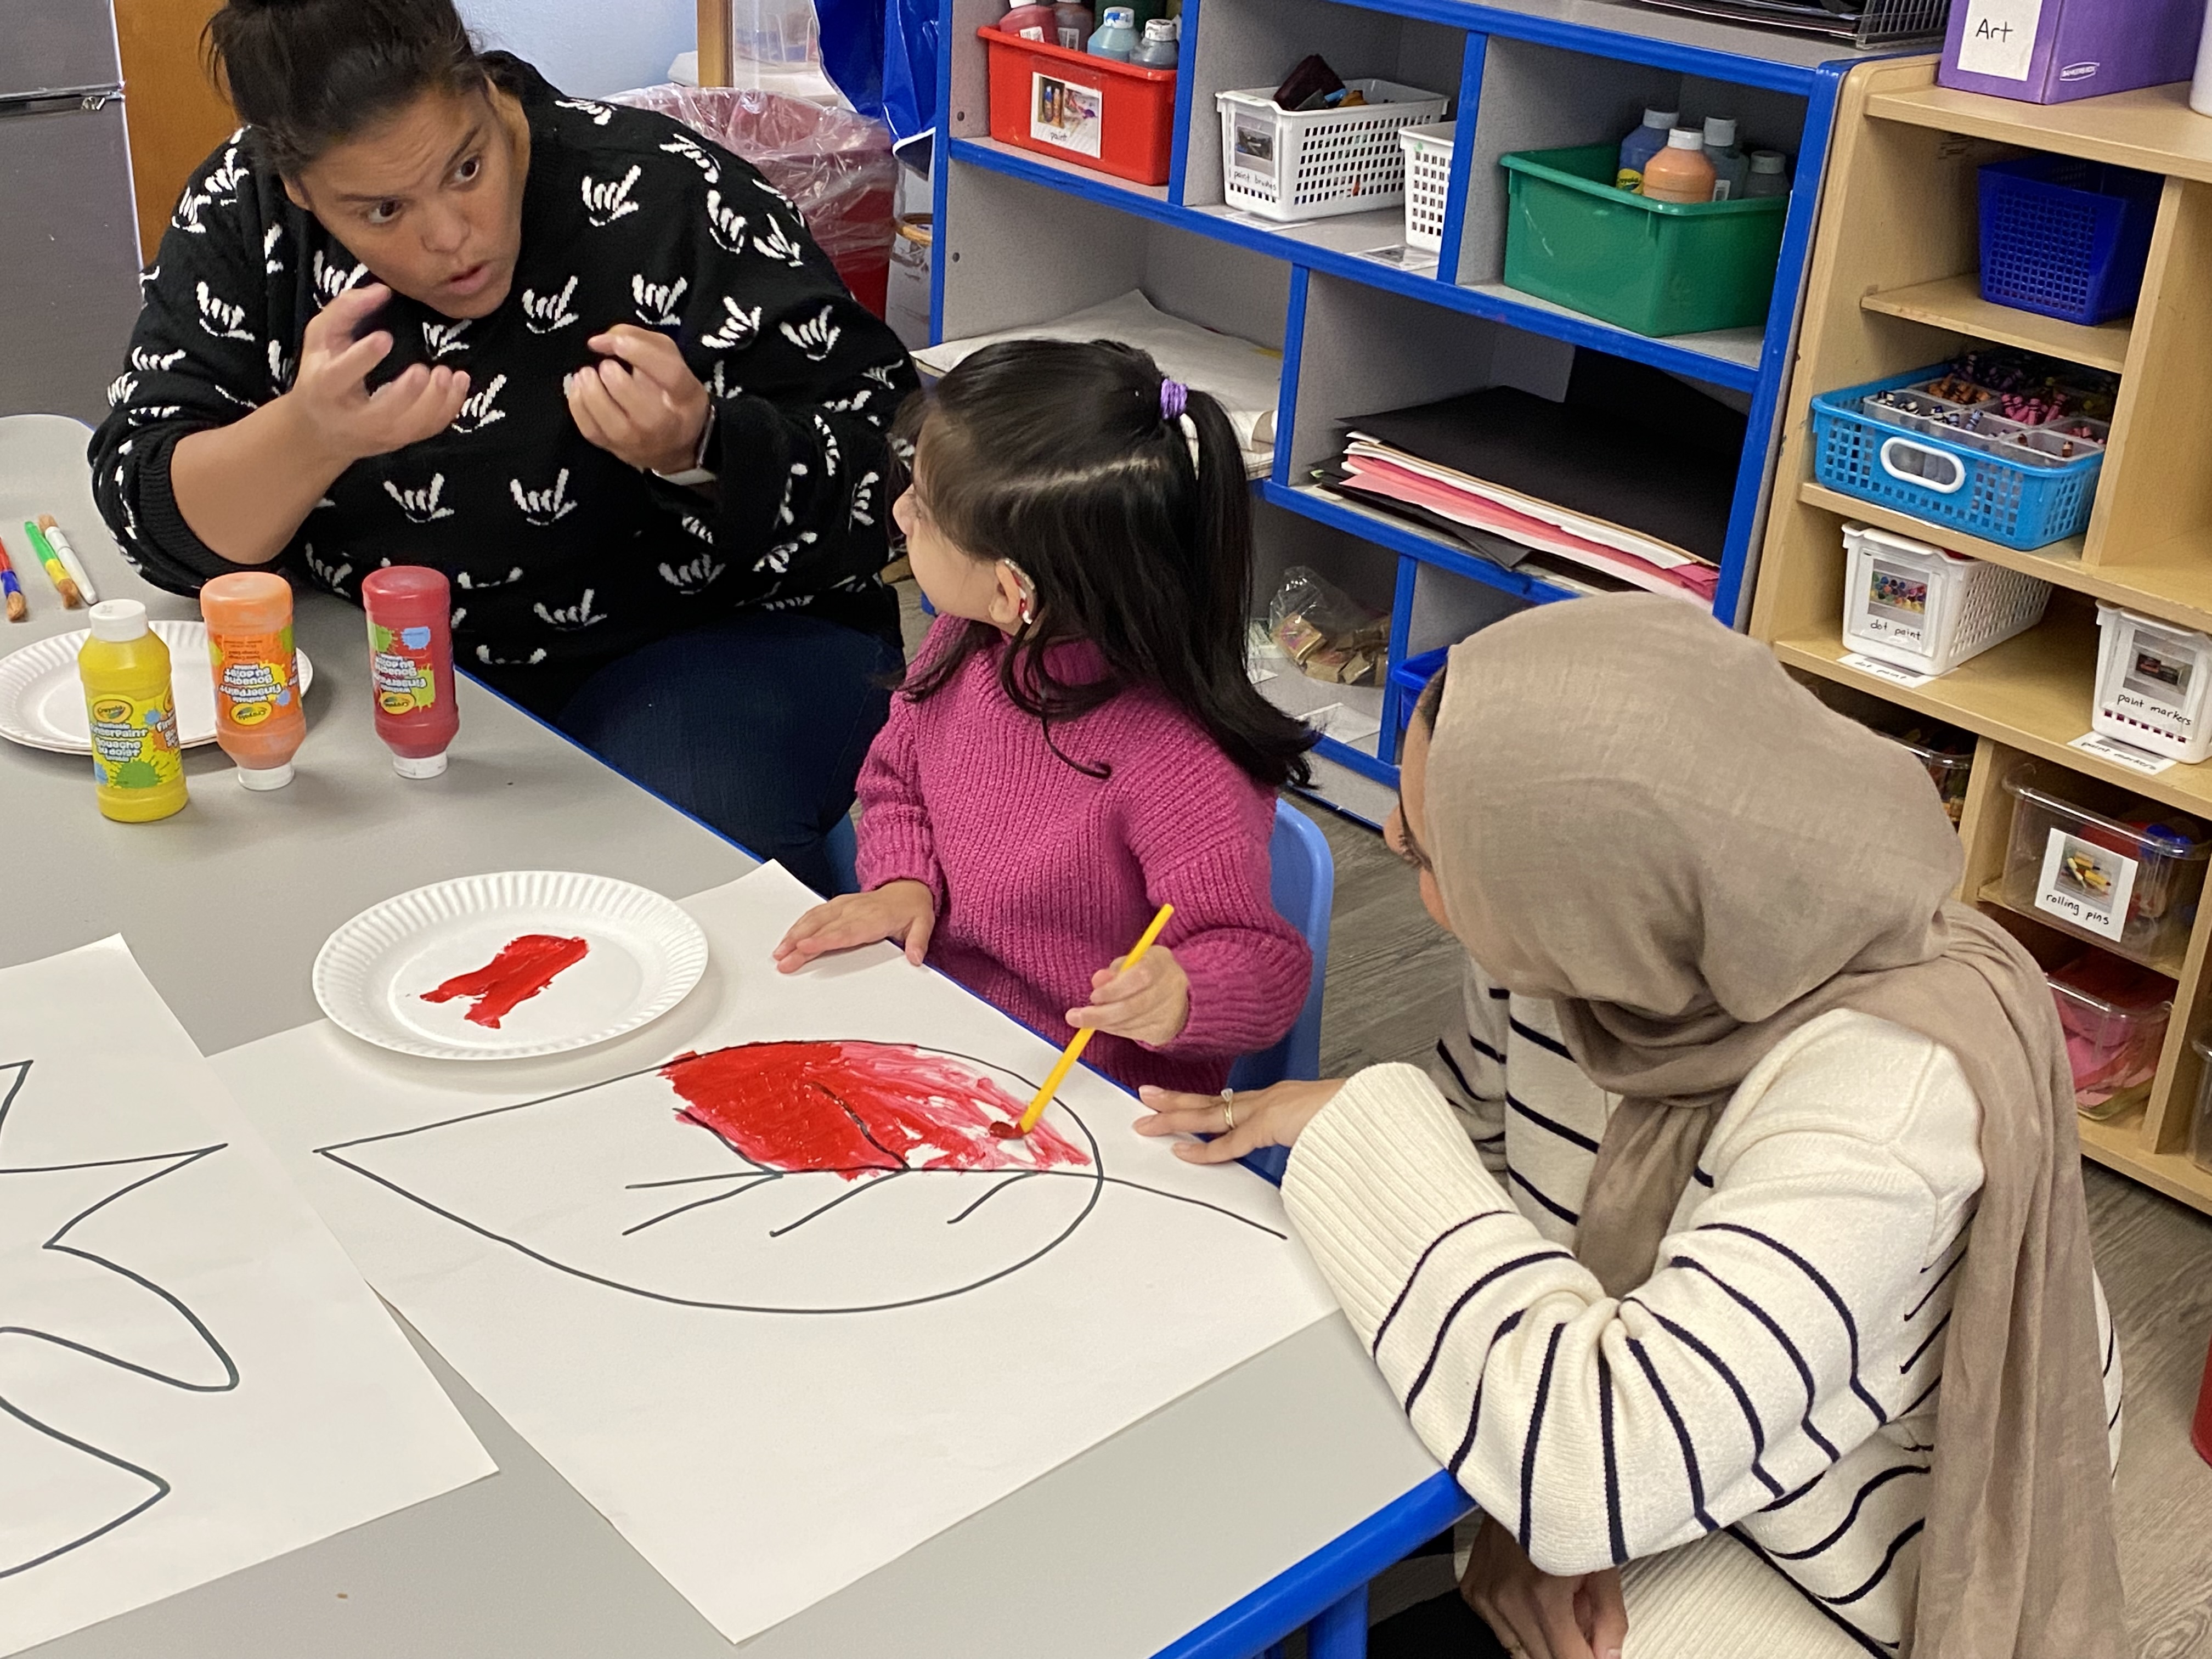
point(1043, 875)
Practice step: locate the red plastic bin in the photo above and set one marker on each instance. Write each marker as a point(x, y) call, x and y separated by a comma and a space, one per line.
point(1094, 112)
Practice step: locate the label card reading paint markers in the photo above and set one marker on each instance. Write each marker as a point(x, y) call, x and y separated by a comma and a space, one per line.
point(1999, 37)
point(2120, 754)
point(1883, 671)
point(2087, 884)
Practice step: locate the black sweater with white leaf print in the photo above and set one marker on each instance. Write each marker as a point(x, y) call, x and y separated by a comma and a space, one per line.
point(561, 556)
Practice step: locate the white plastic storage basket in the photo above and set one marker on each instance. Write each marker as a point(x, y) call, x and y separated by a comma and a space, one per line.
point(1311, 164)
point(2154, 681)
point(1922, 608)
point(1428, 182)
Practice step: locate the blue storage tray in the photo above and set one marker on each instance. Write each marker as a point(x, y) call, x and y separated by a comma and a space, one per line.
point(2015, 504)
point(1410, 678)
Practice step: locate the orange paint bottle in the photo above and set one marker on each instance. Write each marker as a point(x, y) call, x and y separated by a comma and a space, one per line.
point(258, 718)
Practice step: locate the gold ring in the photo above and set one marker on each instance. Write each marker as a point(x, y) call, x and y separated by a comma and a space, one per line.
point(1227, 1110)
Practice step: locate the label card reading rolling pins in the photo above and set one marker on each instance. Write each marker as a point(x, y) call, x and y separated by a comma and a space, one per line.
point(2087, 884)
point(2120, 754)
point(1883, 671)
point(1999, 37)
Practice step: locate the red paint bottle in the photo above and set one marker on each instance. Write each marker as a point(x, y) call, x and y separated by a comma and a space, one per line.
point(410, 664)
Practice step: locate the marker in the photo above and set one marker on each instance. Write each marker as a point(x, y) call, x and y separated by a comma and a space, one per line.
point(70, 562)
point(57, 573)
point(18, 607)
point(1073, 1051)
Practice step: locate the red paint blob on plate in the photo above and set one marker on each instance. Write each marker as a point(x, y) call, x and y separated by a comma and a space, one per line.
point(853, 1108)
point(523, 968)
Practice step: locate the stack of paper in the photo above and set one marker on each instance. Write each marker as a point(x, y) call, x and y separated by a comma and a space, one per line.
point(1245, 379)
point(1628, 482)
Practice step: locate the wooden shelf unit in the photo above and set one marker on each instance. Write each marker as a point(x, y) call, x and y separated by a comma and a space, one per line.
point(1024, 238)
point(1893, 285)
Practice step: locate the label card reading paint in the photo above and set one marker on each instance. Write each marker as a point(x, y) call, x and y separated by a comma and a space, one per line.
point(2087, 884)
point(1999, 37)
point(1066, 113)
point(1883, 671)
point(2120, 754)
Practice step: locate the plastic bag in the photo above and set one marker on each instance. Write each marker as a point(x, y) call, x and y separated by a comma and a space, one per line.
point(1326, 632)
point(837, 167)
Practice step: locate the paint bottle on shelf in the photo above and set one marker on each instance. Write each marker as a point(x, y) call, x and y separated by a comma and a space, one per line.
point(1036, 22)
point(258, 718)
point(1641, 145)
point(1073, 24)
point(1680, 173)
point(132, 710)
point(1767, 177)
point(1158, 49)
point(1117, 35)
point(410, 661)
point(1731, 166)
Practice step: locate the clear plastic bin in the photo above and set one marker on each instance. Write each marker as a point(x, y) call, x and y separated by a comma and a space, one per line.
point(2114, 1014)
point(2124, 873)
point(1946, 752)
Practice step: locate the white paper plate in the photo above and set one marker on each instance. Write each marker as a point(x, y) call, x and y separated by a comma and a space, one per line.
point(42, 701)
point(645, 955)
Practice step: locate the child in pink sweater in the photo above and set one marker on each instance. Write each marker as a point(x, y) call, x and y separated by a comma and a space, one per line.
point(1079, 742)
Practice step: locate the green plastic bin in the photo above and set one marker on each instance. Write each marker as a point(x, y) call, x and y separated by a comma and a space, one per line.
point(1654, 267)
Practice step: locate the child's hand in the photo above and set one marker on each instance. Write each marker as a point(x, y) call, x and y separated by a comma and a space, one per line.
point(1148, 1003)
point(903, 910)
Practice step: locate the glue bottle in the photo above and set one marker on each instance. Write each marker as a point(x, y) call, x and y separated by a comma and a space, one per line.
point(411, 663)
point(258, 718)
point(133, 711)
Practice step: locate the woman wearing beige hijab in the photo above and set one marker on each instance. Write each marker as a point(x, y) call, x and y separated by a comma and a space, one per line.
point(1758, 1148)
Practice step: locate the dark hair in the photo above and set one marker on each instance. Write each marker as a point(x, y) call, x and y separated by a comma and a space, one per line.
point(1062, 458)
point(1432, 700)
point(304, 74)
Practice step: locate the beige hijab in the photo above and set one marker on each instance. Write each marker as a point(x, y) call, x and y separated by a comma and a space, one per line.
point(1635, 813)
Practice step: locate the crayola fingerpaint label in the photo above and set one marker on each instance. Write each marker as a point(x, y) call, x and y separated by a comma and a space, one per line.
point(254, 674)
point(399, 663)
point(134, 741)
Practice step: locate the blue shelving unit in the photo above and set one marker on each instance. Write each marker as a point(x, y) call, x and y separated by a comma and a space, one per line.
point(1023, 237)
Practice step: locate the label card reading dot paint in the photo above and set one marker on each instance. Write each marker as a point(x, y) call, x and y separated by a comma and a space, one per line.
point(2087, 884)
point(1883, 671)
point(2120, 754)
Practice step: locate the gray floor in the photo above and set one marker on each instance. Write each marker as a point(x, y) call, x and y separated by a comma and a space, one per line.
point(1393, 977)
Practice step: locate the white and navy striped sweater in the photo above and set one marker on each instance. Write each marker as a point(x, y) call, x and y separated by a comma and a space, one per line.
point(1777, 1374)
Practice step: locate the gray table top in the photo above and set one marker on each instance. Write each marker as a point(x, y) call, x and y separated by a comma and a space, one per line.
point(1112, 1555)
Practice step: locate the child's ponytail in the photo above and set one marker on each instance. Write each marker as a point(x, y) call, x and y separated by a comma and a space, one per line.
point(1121, 494)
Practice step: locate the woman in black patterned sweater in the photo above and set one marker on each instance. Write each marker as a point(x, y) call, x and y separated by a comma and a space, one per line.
point(423, 309)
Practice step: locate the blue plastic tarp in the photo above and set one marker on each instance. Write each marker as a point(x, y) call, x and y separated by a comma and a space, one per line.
point(882, 54)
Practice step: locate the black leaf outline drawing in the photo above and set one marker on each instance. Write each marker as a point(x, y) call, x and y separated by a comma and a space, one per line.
point(753, 1176)
point(168, 1163)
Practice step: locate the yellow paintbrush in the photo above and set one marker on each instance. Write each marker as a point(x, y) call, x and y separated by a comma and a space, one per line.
point(1073, 1051)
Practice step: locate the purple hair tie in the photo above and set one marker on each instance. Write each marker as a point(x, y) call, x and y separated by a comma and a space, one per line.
point(1173, 395)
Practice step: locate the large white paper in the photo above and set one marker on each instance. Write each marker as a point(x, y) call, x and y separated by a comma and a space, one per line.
point(773, 1383)
point(193, 1376)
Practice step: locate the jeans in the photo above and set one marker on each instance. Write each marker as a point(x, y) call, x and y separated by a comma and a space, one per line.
point(757, 727)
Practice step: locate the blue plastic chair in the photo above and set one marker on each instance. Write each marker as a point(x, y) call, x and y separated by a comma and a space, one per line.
point(1303, 885)
point(843, 845)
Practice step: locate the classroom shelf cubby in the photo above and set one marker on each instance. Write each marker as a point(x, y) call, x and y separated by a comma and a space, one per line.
point(1892, 285)
point(1364, 323)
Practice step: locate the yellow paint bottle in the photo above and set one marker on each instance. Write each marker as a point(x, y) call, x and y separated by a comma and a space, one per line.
point(136, 761)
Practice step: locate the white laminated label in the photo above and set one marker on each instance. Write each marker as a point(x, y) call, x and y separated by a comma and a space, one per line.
point(1999, 37)
point(1883, 671)
point(1067, 114)
point(2120, 754)
point(2156, 668)
point(1252, 145)
point(1894, 606)
point(2087, 884)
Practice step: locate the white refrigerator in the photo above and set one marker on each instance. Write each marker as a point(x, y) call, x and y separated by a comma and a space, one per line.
point(69, 229)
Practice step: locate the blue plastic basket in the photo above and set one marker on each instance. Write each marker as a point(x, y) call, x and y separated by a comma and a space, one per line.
point(2065, 237)
point(2013, 503)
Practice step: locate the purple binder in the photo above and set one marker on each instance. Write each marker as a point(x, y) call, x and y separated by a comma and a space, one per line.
point(2052, 51)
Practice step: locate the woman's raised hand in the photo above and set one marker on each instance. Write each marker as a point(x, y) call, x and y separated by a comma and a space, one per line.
point(1537, 1614)
point(344, 419)
point(641, 402)
point(902, 910)
point(1244, 1122)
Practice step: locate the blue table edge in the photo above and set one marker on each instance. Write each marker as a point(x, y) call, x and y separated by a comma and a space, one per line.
point(1311, 1588)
